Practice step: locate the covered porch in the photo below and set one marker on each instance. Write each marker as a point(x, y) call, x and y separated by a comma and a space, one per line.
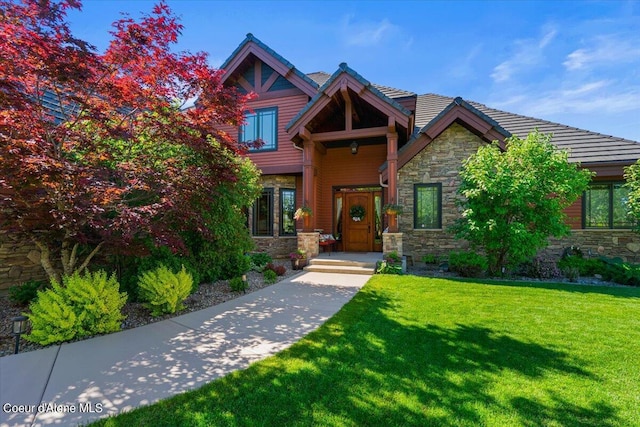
point(346, 133)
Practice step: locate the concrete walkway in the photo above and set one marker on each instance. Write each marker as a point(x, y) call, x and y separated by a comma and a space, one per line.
point(79, 382)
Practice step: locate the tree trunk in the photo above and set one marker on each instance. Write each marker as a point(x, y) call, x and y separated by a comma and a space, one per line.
point(45, 261)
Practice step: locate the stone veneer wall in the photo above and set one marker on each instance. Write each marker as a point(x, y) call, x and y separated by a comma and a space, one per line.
point(19, 262)
point(439, 162)
point(276, 246)
point(610, 243)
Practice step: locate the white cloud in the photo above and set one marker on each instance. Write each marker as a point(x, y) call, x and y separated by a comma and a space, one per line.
point(366, 34)
point(599, 97)
point(604, 50)
point(527, 53)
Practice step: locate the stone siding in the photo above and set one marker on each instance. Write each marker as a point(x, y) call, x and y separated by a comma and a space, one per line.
point(19, 262)
point(610, 243)
point(439, 162)
point(309, 243)
point(277, 246)
point(392, 242)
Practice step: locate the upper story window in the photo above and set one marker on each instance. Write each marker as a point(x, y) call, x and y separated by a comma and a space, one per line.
point(262, 125)
point(605, 206)
point(427, 209)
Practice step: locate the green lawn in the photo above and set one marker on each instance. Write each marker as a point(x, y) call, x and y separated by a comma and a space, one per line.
point(420, 351)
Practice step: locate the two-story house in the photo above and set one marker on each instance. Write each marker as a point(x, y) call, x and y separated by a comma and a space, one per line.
point(345, 147)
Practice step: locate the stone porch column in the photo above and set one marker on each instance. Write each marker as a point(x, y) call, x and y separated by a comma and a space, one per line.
point(310, 243)
point(392, 242)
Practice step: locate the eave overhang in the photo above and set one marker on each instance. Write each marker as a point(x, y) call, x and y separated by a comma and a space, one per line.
point(346, 78)
point(459, 111)
point(252, 46)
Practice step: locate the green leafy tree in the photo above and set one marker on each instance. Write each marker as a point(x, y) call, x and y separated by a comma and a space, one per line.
point(513, 199)
point(632, 176)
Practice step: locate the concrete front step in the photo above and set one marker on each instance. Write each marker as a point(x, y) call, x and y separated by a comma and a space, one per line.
point(341, 266)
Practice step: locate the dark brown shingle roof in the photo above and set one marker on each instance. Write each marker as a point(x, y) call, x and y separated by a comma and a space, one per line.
point(584, 146)
point(320, 77)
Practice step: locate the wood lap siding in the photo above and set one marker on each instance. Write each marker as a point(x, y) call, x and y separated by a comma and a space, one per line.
point(341, 168)
point(574, 215)
point(286, 155)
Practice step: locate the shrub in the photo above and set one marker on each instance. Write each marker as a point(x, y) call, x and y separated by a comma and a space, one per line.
point(238, 285)
point(25, 293)
point(259, 260)
point(164, 291)
point(270, 276)
point(278, 269)
point(430, 259)
point(467, 264)
point(539, 268)
point(620, 272)
point(82, 306)
point(386, 267)
point(393, 258)
point(584, 266)
point(131, 268)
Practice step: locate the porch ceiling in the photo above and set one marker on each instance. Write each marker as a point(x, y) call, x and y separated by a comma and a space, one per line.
point(349, 103)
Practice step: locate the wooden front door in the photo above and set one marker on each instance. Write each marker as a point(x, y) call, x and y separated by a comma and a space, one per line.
point(358, 235)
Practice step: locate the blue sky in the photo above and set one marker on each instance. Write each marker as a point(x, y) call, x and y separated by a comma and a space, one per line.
point(572, 62)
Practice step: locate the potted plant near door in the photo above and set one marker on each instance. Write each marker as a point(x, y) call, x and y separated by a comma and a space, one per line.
point(304, 212)
point(392, 210)
point(298, 259)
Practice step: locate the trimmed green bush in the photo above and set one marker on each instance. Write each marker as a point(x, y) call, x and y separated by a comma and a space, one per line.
point(82, 306)
point(238, 285)
point(25, 293)
point(164, 291)
point(270, 276)
point(430, 259)
point(467, 264)
point(259, 260)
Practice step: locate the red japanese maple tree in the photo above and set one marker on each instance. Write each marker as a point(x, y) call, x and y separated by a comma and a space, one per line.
point(95, 147)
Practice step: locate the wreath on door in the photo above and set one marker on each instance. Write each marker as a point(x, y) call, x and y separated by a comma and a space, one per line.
point(357, 212)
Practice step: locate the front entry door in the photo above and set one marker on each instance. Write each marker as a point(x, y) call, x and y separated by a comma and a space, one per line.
point(358, 235)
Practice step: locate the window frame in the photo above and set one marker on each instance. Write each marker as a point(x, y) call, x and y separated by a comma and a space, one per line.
point(270, 209)
point(258, 113)
point(610, 226)
point(416, 188)
point(282, 231)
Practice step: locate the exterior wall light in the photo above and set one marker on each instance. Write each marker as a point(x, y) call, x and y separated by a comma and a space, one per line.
point(19, 327)
point(354, 147)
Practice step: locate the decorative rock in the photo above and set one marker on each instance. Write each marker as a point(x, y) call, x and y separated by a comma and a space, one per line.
point(34, 256)
point(633, 247)
point(15, 272)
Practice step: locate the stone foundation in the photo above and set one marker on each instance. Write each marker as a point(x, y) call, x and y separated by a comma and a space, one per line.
point(277, 247)
point(609, 243)
point(19, 262)
point(392, 242)
point(310, 243)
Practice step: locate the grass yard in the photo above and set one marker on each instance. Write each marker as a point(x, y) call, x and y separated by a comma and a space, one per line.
point(419, 351)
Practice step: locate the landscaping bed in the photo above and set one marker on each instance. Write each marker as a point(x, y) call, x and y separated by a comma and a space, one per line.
point(207, 295)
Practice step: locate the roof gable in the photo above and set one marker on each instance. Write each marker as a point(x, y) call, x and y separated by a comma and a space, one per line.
point(585, 147)
point(457, 111)
point(251, 46)
point(343, 79)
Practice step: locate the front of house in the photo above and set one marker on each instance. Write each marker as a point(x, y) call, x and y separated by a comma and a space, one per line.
point(346, 147)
